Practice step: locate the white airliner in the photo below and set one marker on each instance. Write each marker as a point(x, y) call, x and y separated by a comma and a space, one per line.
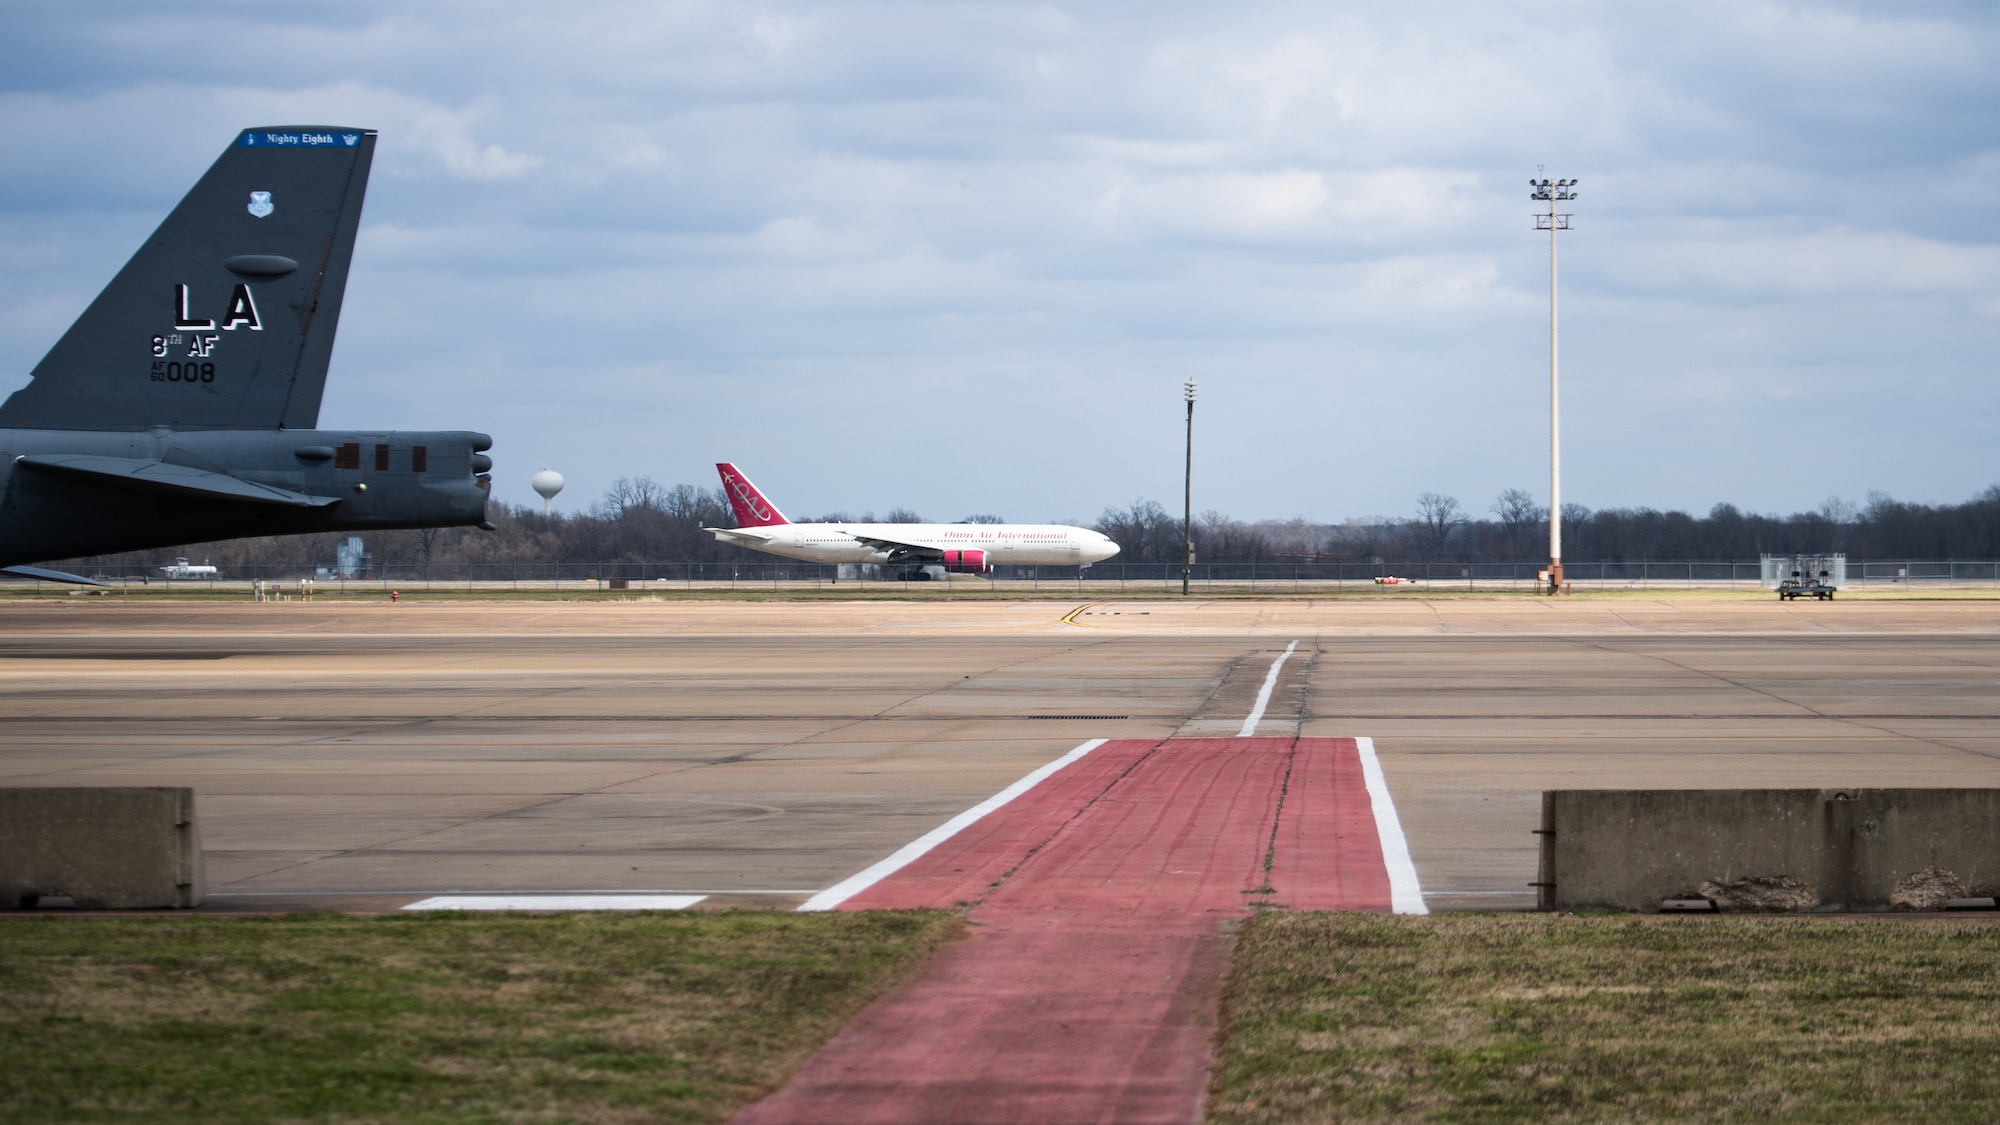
point(958, 548)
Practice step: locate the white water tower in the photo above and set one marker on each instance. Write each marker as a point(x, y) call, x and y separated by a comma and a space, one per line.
point(548, 482)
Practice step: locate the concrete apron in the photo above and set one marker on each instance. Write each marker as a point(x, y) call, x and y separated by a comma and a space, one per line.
point(1100, 903)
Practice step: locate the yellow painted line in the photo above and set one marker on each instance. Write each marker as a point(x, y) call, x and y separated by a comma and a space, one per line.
point(1070, 617)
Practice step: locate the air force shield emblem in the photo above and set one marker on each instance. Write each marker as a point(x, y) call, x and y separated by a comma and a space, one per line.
point(260, 203)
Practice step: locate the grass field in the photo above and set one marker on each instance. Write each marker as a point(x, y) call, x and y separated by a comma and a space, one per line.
point(688, 1017)
point(450, 1017)
point(1543, 1017)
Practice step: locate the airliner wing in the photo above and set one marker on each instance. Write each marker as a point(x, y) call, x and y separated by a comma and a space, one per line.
point(902, 552)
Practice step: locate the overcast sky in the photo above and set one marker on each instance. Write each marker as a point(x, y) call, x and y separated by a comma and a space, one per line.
point(960, 257)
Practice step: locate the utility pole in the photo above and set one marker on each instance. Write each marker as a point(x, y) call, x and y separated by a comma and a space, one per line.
point(1559, 191)
point(1187, 496)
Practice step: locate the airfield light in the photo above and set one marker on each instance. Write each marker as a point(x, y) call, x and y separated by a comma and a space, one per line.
point(1187, 495)
point(1562, 191)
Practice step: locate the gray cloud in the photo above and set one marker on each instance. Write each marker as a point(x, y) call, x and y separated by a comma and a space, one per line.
point(961, 257)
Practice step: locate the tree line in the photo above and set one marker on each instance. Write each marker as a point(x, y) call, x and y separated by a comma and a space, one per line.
point(641, 520)
point(1516, 529)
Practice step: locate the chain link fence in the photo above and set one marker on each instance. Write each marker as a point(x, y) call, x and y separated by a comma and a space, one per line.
point(1301, 577)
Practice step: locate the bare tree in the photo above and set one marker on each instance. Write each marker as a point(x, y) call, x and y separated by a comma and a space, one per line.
point(1437, 517)
point(1517, 512)
point(1574, 517)
point(627, 493)
point(1298, 537)
point(1225, 539)
point(903, 515)
point(1145, 532)
point(1880, 505)
point(1838, 511)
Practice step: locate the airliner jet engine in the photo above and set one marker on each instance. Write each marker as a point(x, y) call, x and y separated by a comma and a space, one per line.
point(967, 562)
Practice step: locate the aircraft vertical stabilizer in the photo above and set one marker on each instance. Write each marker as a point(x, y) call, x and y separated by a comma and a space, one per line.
point(751, 509)
point(225, 317)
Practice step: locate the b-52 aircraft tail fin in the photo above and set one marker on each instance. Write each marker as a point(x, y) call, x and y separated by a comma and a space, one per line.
point(225, 318)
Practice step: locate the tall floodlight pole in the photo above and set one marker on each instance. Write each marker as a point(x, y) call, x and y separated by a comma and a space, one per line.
point(1187, 496)
point(1552, 193)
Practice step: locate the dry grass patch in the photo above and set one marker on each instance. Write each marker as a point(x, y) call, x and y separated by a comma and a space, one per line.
point(1339, 1017)
point(445, 1017)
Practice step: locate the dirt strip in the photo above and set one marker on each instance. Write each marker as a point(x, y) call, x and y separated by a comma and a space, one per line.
point(1100, 903)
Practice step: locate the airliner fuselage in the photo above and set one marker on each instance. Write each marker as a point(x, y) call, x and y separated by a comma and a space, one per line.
point(957, 548)
point(1002, 544)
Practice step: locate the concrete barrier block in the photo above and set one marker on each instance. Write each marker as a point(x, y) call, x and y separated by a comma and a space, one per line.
point(102, 848)
point(1768, 849)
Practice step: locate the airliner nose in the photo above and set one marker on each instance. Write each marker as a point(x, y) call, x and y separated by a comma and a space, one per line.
point(1103, 549)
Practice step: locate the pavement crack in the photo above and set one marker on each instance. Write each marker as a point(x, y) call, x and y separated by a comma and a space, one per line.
point(1277, 817)
point(1058, 830)
point(554, 798)
point(1806, 707)
point(1222, 681)
point(889, 711)
point(1305, 682)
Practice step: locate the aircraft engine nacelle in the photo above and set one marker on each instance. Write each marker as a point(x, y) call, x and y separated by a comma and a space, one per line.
point(966, 562)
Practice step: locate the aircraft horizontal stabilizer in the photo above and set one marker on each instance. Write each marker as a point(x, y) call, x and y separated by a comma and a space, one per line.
point(161, 476)
point(48, 575)
point(742, 537)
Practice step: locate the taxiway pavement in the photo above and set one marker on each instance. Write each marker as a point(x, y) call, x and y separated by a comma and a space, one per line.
point(361, 756)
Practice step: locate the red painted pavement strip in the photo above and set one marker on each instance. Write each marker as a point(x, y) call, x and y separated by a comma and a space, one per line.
point(1328, 855)
point(1026, 1023)
point(964, 868)
point(1088, 990)
point(1183, 834)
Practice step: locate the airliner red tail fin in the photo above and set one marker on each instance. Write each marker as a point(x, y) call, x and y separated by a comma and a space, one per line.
point(752, 510)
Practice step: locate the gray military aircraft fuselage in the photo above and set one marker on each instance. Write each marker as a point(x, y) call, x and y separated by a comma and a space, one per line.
point(182, 405)
point(71, 493)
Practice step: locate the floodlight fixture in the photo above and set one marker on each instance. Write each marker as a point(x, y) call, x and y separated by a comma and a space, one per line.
point(1552, 190)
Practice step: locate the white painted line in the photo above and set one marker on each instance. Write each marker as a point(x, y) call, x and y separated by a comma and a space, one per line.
point(854, 884)
point(1405, 896)
point(1264, 697)
point(557, 902)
